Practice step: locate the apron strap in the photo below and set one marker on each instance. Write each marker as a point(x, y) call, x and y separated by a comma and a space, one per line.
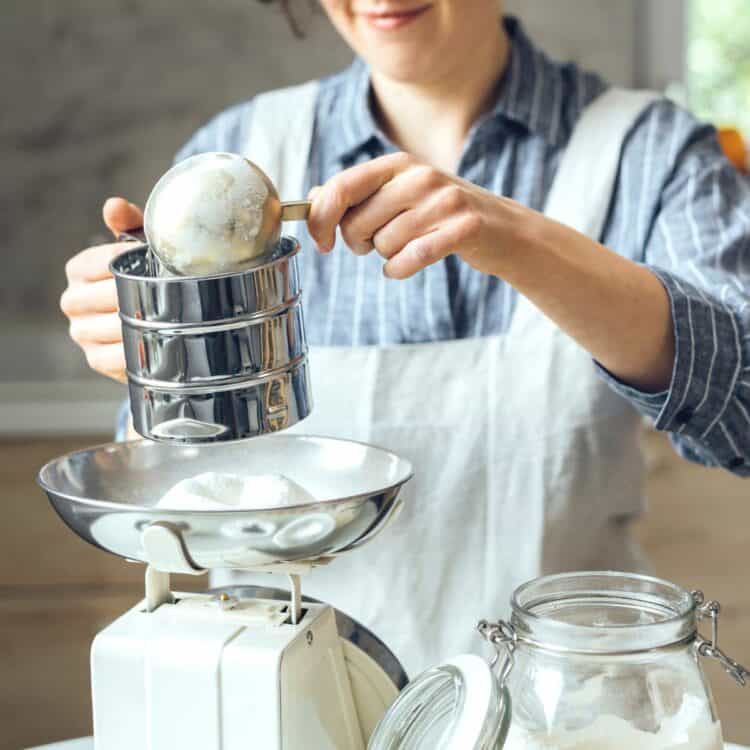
point(280, 134)
point(582, 189)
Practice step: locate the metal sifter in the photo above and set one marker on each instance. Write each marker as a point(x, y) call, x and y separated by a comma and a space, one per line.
point(215, 213)
point(213, 331)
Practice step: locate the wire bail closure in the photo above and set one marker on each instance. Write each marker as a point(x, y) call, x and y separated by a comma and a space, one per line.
point(710, 649)
point(503, 638)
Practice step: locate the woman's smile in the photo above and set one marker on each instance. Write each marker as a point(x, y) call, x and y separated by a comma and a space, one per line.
point(391, 19)
point(422, 41)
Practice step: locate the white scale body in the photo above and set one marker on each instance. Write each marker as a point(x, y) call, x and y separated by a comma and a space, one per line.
point(197, 676)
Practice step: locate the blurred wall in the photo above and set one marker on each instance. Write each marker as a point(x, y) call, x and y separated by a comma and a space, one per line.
point(103, 92)
point(98, 94)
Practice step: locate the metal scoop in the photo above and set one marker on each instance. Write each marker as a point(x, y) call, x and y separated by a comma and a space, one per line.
point(215, 213)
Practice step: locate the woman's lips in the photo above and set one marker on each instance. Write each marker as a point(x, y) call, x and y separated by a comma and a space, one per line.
point(389, 20)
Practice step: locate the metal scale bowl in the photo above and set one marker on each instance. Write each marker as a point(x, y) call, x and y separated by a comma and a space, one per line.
point(106, 495)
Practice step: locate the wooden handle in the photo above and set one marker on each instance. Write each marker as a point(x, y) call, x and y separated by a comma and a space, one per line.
point(295, 210)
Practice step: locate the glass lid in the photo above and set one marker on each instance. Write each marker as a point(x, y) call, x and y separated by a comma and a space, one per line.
point(455, 706)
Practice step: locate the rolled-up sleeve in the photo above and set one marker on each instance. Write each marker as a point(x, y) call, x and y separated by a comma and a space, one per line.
point(698, 245)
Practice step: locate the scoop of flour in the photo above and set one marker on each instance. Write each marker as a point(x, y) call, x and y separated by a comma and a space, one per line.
point(216, 491)
point(204, 215)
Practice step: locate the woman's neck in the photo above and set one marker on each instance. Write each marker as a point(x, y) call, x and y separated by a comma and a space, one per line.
point(450, 104)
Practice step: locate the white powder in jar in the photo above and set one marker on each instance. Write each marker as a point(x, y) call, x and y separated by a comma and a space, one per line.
point(691, 728)
point(217, 491)
point(204, 215)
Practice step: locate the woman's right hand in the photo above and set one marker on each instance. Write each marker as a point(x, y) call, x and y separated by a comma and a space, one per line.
point(90, 299)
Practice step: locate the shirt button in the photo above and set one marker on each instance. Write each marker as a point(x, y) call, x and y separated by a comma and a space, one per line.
point(684, 415)
point(736, 462)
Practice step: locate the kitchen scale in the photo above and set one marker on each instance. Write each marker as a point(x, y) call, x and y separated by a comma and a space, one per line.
point(253, 667)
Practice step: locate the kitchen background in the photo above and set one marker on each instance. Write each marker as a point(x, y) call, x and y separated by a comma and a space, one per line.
point(97, 96)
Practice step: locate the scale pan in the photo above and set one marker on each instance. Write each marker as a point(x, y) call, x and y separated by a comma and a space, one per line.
point(106, 495)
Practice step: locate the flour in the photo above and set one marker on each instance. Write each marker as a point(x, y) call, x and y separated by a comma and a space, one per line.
point(691, 728)
point(216, 491)
point(206, 218)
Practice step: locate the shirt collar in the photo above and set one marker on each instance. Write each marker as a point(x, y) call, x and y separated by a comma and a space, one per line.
point(528, 94)
point(354, 120)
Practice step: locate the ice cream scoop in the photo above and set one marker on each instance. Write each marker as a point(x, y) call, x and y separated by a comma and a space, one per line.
point(215, 213)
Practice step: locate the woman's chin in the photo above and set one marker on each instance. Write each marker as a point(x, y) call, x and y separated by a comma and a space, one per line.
point(400, 63)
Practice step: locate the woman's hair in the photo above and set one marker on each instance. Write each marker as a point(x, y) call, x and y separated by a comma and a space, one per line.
point(286, 9)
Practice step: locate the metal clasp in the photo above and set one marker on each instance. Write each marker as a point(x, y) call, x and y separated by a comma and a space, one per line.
point(503, 637)
point(710, 649)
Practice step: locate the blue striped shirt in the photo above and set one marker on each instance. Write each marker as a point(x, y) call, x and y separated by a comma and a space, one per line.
point(679, 208)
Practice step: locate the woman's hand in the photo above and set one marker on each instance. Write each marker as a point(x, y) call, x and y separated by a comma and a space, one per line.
point(90, 300)
point(414, 215)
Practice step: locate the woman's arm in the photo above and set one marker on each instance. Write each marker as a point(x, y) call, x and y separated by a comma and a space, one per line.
point(414, 215)
point(697, 242)
point(614, 308)
point(671, 330)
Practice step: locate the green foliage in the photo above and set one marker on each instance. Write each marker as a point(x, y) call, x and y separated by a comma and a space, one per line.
point(718, 61)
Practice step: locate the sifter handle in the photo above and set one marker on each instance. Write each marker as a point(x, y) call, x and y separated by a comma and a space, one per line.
point(295, 210)
point(153, 267)
point(132, 235)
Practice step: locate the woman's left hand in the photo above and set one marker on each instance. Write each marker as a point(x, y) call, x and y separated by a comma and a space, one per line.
point(414, 215)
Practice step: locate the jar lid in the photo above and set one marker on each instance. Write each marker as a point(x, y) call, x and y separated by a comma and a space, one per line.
point(455, 706)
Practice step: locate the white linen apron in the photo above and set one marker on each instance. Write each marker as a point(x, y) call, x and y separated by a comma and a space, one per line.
point(525, 461)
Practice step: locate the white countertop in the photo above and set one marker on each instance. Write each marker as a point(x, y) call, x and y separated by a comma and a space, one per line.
point(87, 743)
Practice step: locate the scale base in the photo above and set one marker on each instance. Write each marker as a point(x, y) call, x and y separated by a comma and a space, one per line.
point(203, 674)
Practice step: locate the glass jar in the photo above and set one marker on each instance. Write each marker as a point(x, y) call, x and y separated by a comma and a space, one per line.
point(588, 661)
point(609, 661)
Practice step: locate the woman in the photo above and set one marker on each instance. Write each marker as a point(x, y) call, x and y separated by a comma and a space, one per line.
point(527, 262)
